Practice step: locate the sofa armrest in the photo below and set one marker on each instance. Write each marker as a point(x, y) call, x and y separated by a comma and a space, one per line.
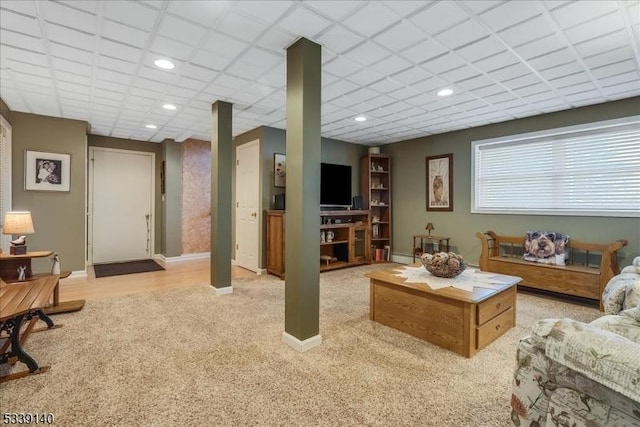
point(602, 356)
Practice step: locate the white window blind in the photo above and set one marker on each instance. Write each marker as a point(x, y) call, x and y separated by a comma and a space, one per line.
point(591, 170)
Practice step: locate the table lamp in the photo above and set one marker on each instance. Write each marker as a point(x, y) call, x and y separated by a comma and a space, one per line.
point(429, 227)
point(18, 223)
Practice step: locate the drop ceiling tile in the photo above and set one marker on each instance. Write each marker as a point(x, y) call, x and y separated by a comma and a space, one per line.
point(268, 11)
point(365, 76)
point(335, 9)
point(131, 13)
point(339, 39)
point(609, 57)
point(528, 31)
point(391, 65)
point(438, 17)
point(575, 13)
point(276, 77)
point(69, 37)
point(211, 60)
point(562, 70)
point(480, 6)
point(559, 57)
point(476, 82)
point(251, 28)
point(403, 93)
point(386, 85)
point(596, 28)
point(572, 79)
point(380, 101)
point(629, 77)
point(20, 6)
point(338, 89)
point(205, 13)
point(60, 14)
point(584, 96)
point(411, 75)
point(244, 70)
point(511, 13)
point(577, 88)
point(150, 85)
point(342, 66)
point(602, 44)
point(407, 7)
point(614, 69)
point(19, 23)
point(481, 92)
point(444, 63)
point(363, 94)
point(113, 76)
point(495, 62)
point(470, 105)
point(170, 48)
point(624, 89)
point(533, 90)
point(368, 53)
point(70, 53)
point(72, 77)
point(116, 64)
point(488, 46)
point(180, 30)
point(124, 34)
point(400, 36)
point(509, 72)
point(526, 80)
point(24, 68)
point(371, 19)
point(303, 22)
point(264, 58)
point(424, 51)
point(467, 32)
point(540, 47)
point(21, 41)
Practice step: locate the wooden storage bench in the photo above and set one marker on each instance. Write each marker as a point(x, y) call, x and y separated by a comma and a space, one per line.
point(588, 270)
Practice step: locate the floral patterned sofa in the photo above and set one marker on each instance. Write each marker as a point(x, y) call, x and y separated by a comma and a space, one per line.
point(570, 373)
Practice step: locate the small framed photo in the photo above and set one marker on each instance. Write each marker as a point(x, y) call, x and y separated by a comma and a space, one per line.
point(47, 171)
point(279, 170)
point(440, 183)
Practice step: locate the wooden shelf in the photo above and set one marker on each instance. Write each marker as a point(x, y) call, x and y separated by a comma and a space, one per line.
point(351, 244)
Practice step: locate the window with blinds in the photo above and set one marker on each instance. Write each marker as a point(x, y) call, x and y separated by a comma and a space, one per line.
point(591, 170)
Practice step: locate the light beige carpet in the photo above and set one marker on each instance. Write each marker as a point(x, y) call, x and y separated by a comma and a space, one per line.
point(188, 357)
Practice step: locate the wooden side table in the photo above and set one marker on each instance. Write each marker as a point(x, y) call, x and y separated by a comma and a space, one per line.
point(9, 265)
point(442, 241)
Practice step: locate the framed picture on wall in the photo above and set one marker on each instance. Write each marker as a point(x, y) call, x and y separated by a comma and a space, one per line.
point(440, 183)
point(279, 170)
point(47, 171)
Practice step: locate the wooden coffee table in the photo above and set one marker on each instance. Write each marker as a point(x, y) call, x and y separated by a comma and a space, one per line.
point(458, 320)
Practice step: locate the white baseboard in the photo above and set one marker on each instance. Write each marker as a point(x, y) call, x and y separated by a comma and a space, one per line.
point(183, 257)
point(223, 291)
point(78, 273)
point(402, 259)
point(301, 346)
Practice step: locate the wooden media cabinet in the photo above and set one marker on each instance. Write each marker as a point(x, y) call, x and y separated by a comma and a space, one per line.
point(349, 244)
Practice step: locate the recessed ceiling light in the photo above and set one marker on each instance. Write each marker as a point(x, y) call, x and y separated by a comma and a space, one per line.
point(445, 92)
point(164, 64)
point(151, 126)
point(169, 107)
point(360, 119)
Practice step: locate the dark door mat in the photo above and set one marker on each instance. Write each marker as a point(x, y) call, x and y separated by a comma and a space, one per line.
point(129, 267)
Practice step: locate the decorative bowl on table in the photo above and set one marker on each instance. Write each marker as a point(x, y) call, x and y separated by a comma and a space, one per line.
point(443, 264)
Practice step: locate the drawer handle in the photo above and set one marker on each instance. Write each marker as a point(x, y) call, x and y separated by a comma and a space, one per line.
point(498, 327)
point(498, 305)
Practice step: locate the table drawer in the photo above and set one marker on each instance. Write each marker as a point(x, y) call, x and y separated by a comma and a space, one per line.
point(490, 308)
point(495, 327)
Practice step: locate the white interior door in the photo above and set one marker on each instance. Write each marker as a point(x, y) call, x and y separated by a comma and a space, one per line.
point(248, 215)
point(121, 193)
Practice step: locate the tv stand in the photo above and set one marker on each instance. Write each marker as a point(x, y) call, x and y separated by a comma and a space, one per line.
point(346, 242)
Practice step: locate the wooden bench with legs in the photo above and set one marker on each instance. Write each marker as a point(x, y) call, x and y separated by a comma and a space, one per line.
point(19, 303)
point(587, 271)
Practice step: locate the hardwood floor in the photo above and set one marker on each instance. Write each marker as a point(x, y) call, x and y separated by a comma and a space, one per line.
point(177, 274)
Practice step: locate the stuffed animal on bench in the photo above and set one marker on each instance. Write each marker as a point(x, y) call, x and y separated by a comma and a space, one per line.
point(545, 247)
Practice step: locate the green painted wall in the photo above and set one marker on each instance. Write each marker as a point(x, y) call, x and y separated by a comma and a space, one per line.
point(58, 217)
point(172, 201)
point(273, 140)
point(409, 188)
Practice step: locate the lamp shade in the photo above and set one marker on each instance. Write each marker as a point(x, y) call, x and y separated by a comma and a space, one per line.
point(17, 223)
point(429, 227)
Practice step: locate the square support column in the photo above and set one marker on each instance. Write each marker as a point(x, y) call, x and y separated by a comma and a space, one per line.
point(221, 149)
point(302, 279)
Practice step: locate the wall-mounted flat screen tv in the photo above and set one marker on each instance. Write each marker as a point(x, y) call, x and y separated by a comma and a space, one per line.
point(335, 185)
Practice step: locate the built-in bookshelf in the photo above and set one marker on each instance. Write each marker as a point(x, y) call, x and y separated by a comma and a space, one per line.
point(375, 189)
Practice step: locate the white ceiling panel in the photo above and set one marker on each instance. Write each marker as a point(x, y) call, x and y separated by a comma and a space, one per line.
point(93, 61)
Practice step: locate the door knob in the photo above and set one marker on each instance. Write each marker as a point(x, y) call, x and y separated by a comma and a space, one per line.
point(253, 215)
